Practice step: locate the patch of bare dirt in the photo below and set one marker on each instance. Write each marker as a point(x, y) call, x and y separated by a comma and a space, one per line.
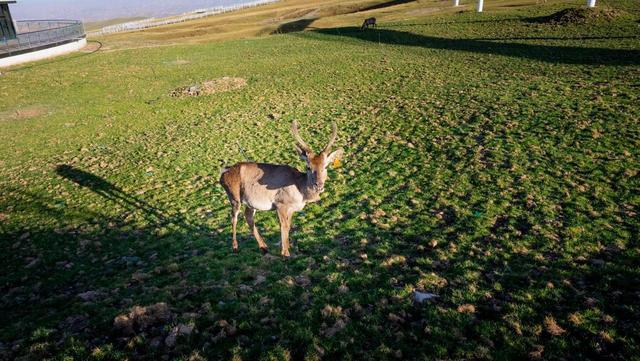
point(178, 62)
point(141, 319)
point(219, 85)
point(580, 16)
point(467, 308)
point(92, 47)
point(24, 113)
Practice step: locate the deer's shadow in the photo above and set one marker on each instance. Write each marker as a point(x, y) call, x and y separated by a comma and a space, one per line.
point(113, 193)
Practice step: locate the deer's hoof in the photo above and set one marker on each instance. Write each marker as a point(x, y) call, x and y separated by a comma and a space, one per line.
point(264, 250)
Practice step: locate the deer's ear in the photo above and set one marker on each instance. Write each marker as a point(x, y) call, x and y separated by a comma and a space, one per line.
point(335, 156)
point(301, 153)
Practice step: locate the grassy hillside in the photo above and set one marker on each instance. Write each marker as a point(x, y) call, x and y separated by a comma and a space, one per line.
point(491, 159)
point(297, 15)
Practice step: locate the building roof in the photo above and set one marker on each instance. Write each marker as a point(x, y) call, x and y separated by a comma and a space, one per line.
point(7, 1)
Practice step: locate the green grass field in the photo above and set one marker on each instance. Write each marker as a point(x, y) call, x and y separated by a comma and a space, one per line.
point(491, 159)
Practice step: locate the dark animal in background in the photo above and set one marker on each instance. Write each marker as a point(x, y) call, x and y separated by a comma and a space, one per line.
point(367, 22)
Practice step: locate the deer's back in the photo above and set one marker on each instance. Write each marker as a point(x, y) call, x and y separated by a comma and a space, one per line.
point(262, 186)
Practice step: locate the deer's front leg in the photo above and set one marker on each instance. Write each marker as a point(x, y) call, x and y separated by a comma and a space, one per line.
point(284, 216)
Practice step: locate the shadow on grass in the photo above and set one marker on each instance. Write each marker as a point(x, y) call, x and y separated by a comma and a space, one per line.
point(546, 53)
point(559, 38)
point(386, 4)
point(199, 277)
point(129, 264)
point(453, 22)
point(561, 285)
point(294, 26)
point(113, 193)
point(106, 189)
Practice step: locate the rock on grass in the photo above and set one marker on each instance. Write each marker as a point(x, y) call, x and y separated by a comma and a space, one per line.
point(420, 297)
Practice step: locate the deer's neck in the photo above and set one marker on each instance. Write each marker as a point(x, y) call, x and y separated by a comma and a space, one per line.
point(309, 192)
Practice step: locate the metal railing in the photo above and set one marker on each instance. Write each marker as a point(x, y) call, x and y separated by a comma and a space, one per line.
point(32, 34)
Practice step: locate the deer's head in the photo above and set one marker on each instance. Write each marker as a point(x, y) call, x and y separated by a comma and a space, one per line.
point(316, 163)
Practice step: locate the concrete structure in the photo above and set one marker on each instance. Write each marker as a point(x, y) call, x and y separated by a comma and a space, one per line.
point(45, 53)
point(7, 28)
point(29, 40)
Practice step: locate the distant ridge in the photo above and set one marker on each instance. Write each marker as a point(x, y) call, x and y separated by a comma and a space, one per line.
point(191, 15)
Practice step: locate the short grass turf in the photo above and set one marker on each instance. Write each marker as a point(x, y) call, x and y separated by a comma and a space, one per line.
point(491, 159)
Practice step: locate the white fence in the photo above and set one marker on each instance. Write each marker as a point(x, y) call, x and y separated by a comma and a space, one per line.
point(196, 14)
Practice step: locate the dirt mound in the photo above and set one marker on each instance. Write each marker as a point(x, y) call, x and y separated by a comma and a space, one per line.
point(142, 318)
point(92, 47)
point(580, 16)
point(210, 87)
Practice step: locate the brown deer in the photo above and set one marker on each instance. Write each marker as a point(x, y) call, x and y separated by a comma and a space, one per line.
point(367, 22)
point(265, 187)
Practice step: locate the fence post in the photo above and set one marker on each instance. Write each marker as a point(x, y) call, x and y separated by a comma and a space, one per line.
point(480, 5)
point(591, 3)
point(29, 34)
point(456, 2)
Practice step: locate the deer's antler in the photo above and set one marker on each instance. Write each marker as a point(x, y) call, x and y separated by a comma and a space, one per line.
point(301, 143)
point(334, 133)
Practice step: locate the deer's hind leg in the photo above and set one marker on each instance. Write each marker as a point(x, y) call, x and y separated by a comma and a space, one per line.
point(249, 213)
point(230, 181)
point(234, 223)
